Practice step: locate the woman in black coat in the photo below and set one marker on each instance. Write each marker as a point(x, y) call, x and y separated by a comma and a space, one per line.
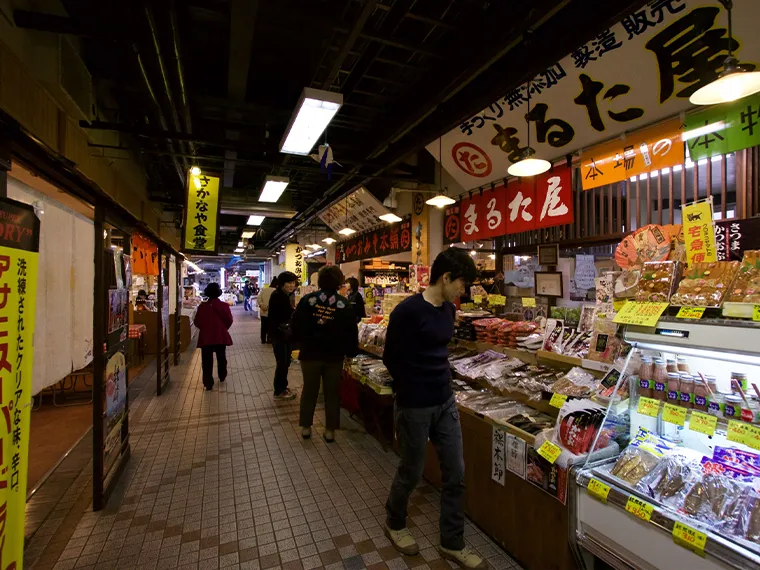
point(280, 311)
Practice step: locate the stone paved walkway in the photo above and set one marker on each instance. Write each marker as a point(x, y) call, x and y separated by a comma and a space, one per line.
point(224, 480)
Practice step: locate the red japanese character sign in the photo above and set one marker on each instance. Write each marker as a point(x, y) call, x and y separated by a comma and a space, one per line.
point(472, 218)
point(451, 225)
point(520, 206)
point(494, 206)
point(387, 240)
point(472, 159)
point(554, 198)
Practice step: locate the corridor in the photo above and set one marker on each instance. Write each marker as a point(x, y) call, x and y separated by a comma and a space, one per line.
point(222, 479)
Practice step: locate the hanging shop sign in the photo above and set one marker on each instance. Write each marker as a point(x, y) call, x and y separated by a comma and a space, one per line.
point(648, 150)
point(699, 232)
point(19, 251)
point(144, 256)
point(639, 71)
point(388, 240)
point(451, 228)
point(734, 237)
point(360, 210)
point(294, 261)
point(722, 129)
point(199, 232)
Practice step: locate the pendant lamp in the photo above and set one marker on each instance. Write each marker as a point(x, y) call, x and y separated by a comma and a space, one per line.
point(735, 82)
point(440, 200)
point(346, 231)
point(527, 165)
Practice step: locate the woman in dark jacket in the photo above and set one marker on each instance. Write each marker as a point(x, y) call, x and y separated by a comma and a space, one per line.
point(325, 327)
point(356, 299)
point(280, 311)
point(213, 320)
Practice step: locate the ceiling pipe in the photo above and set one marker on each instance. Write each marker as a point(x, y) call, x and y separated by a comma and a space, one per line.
point(353, 35)
point(181, 76)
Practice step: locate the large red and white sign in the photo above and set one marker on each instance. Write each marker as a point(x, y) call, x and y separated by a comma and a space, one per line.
point(637, 72)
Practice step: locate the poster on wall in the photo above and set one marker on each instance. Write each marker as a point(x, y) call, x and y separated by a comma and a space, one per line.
point(388, 240)
point(637, 72)
point(19, 252)
point(201, 225)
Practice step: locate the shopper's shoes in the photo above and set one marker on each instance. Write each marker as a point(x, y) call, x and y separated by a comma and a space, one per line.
point(329, 436)
point(222, 379)
point(286, 395)
point(466, 558)
point(402, 540)
point(306, 433)
point(209, 388)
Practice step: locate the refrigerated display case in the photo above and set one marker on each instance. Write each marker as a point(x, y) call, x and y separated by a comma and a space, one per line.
point(684, 493)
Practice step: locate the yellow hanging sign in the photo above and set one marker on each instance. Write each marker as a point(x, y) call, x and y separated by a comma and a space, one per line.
point(690, 538)
point(528, 301)
point(643, 314)
point(699, 232)
point(497, 300)
point(201, 214)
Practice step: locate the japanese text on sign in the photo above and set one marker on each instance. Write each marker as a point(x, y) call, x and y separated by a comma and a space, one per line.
point(639, 508)
point(201, 213)
point(498, 455)
point(294, 261)
point(699, 232)
point(395, 238)
point(598, 490)
point(643, 314)
point(723, 129)
point(703, 423)
point(690, 538)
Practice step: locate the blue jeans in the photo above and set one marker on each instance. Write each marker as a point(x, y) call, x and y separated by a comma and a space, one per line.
point(414, 426)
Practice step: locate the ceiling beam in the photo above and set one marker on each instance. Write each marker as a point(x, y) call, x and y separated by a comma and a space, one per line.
point(369, 8)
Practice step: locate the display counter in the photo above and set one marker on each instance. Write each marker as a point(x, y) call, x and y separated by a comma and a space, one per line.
point(150, 320)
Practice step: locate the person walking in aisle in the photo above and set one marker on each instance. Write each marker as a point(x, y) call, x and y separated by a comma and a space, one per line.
point(213, 319)
point(356, 299)
point(280, 311)
point(247, 293)
point(325, 328)
point(264, 296)
point(416, 355)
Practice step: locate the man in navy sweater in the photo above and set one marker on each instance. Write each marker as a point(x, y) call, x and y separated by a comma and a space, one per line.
point(416, 355)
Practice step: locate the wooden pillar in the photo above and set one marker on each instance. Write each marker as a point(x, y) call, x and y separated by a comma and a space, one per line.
point(421, 227)
point(159, 322)
point(99, 327)
point(5, 163)
point(178, 310)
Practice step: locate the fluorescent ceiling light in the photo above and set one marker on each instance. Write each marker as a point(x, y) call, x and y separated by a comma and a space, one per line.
point(314, 246)
point(529, 167)
point(314, 111)
point(390, 217)
point(440, 201)
point(241, 244)
point(274, 186)
point(192, 265)
point(347, 231)
point(328, 240)
point(247, 235)
point(255, 220)
point(239, 250)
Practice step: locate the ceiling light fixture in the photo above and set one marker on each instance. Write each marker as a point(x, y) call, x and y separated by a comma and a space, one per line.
point(329, 241)
point(440, 200)
point(195, 171)
point(255, 220)
point(473, 253)
point(735, 81)
point(526, 165)
point(347, 231)
point(241, 244)
point(390, 217)
point(274, 186)
point(315, 109)
point(247, 235)
point(239, 250)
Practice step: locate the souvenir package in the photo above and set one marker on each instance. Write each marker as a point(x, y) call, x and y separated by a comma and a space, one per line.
point(577, 382)
point(641, 457)
point(553, 335)
point(604, 345)
point(659, 280)
point(705, 284)
point(746, 285)
point(578, 423)
point(625, 283)
point(671, 479)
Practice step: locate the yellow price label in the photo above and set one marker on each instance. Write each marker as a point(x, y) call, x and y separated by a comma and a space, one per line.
point(558, 400)
point(674, 414)
point(643, 314)
point(742, 432)
point(549, 451)
point(598, 490)
point(477, 299)
point(649, 407)
point(639, 508)
point(528, 301)
point(690, 313)
point(756, 313)
point(703, 423)
point(690, 538)
point(467, 306)
point(496, 300)
point(619, 304)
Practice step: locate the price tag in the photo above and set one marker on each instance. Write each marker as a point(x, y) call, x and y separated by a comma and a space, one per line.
point(558, 400)
point(703, 423)
point(549, 451)
point(477, 299)
point(690, 313)
point(467, 306)
point(496, 300)
point(618, 304)
point(598, 490)
point(528, 301)
point(690, 538)
point(644, 314)
point(742, 432)
point(649, 407)
point(756, 313)
point(674, 414)
point(639, 508)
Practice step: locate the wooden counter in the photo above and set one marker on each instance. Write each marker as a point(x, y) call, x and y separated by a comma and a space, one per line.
point(150, 320)
point(532, 526)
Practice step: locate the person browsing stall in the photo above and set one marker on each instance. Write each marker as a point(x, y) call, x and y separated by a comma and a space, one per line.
point(280, 311)
point(213, 319)
point(356, 299)
point(325, 328)
point(417, 357)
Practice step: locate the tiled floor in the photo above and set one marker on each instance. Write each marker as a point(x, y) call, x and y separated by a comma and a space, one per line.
point(224, 480)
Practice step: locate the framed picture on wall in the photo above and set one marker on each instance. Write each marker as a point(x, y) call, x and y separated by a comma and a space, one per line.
point(549, 283)
point(548, 254)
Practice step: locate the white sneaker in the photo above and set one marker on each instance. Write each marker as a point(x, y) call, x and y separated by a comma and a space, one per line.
point(329, 435)
point(402, 540)
point(286, 395)
point(466, 558)
point(306, 433)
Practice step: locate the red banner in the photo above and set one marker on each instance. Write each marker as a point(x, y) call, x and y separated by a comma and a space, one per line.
point(554, 198)
point(494, 205)
point(520, 207)
point(473, 219)
point(394, 238)
point(451, 225)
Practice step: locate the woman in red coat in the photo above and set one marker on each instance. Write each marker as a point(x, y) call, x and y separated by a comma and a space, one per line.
point(213, 320)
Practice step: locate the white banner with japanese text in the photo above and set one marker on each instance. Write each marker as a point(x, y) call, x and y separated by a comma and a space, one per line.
point(637, 72)
point(363, 212)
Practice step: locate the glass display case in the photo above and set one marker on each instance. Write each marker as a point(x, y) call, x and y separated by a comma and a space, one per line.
point(684, 492)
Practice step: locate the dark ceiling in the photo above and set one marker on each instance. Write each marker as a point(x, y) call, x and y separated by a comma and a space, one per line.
point(214, 83)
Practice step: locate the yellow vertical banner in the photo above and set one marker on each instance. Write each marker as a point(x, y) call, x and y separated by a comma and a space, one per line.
point(201, 214)
point(294, 261)
point(19, 251)
point(699, 231)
